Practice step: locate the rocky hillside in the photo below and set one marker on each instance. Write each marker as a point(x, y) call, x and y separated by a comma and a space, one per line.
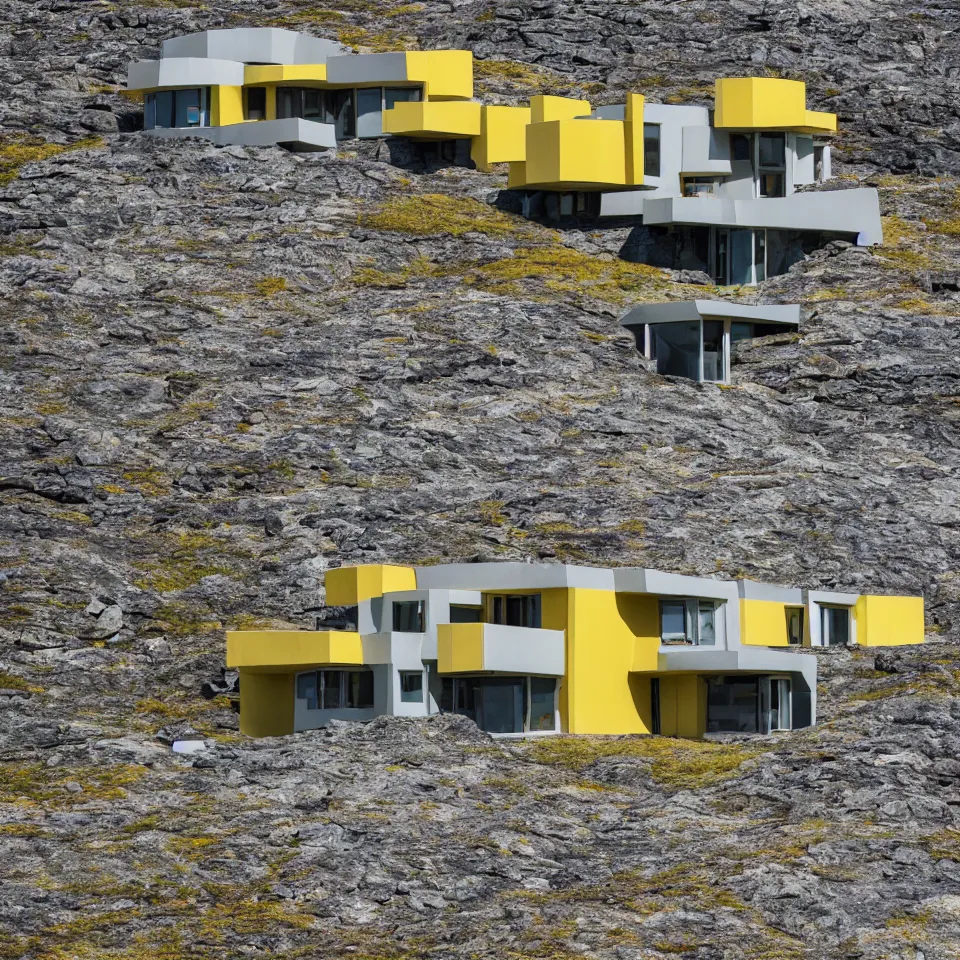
point(224, 370)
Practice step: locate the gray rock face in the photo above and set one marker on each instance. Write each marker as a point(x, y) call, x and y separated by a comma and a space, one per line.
point(223, 371)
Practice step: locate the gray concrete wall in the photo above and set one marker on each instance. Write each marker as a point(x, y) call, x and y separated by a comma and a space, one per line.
point(253, 45)
point(183, 72)
point(292, 132)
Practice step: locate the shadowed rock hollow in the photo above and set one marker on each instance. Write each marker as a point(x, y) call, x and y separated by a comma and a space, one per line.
point(224, 370)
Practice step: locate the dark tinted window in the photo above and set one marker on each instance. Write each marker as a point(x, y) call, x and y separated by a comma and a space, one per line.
point(651, 149)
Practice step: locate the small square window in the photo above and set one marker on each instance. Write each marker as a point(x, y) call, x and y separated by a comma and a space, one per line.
point(795, 626)
point(411, 686)
point(408, 616)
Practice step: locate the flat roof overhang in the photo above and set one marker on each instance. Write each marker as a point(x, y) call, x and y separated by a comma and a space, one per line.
point(686, 311)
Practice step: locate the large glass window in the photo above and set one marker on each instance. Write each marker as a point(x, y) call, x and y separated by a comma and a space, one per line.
point(713, 365)
point(307, 689)
point(369, 112)
point(834, 626)
point(408, 616)
point(733, 705)
point(359, 688)
point(772, 169)
point(395, 95)
point(740, 331)
point(331, 689)
point(187, 109)
point(780, 705)
point(543, 696)
point(460, 613)
point(342, 113)
point(176, 108)
point(411, 686)
point(336, 689)
point(689, 621)
point(677, 349)
point(502, 704)
point(651, 149)
point(289, 102)
point(313, 105)
point(516, 610)
point(741, 257)
point(308, 103)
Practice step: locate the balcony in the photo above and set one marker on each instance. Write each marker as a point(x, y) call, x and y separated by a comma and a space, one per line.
point(768, 103)
point(286, 651)
point(855, 211)
point(292, 132)
point(578, 154)
point(491, 647)
point(433, 120)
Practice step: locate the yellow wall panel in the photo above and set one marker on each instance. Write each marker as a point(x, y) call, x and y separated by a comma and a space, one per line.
point(566, 154)
point(266, 704)
point(603, 696)
point(347, 586)
point(446, 74)
point(633, 138)
point(226, 106)
point(503, 136)
point(459, 647)
point(767, 103)
point(763, 623)
point(280, 651)
point(446, 118)
point(257, 74)
point(683, 705)
point(889, 621)
point(544, 108)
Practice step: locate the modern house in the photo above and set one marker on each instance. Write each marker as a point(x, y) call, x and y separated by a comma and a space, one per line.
point(263, 86)
point(694, 338)
point(721, 191)
point(544, 648)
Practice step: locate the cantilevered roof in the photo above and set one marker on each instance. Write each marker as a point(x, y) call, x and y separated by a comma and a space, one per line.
point(252, 45)
point(684, 311)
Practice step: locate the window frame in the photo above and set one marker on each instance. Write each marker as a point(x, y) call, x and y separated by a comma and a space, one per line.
point(344, 690)
point(652, 156)
point(398, 606)
point(780, 684)
point(498, 609)
point(456, 689)
point(800, 612)
point(825, 631)
point(694, 181)
point(150, 108)
point(771, 169)
point(411, 695)
point(248, 108)
point(691, 619)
